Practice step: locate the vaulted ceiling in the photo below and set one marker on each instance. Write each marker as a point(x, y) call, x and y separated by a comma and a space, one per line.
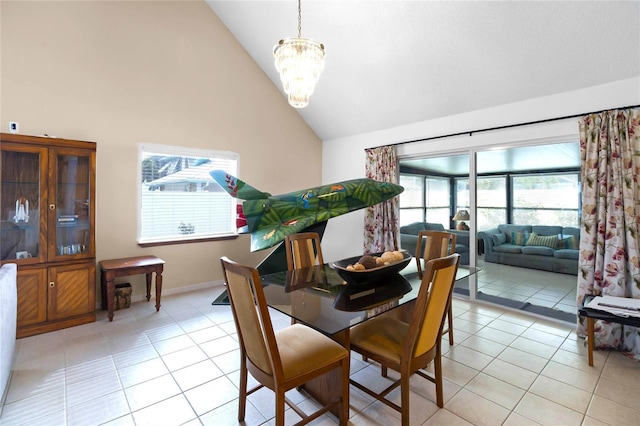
point(391, 63)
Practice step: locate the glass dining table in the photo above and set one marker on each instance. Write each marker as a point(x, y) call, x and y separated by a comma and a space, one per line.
point(322, 299)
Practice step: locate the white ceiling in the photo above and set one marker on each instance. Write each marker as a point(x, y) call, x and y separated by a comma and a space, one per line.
point(391, 63)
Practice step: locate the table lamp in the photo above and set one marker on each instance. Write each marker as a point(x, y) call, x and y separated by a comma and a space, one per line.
point(459, 217)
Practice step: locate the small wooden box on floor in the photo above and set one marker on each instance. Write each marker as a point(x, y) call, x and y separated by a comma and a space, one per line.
point(123, 296)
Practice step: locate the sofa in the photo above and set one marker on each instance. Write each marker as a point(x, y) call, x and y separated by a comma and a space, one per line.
point(549, 248)
point(8, 312)
point(409, 238)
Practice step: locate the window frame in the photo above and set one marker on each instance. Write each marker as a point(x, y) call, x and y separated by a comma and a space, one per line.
point(146, 149)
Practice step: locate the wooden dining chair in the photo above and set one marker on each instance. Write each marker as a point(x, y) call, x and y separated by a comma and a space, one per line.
point(280, 360)
point(431, 245)
point(303, 250)
point(409, 347)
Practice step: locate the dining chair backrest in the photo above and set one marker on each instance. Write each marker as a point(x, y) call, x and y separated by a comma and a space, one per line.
point(303, 250)
point(251, 314)
point(291, 357)
point(433, 244)
point(431, 305)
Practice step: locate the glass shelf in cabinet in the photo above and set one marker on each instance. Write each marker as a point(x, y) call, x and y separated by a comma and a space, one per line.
point(74, 224)
point(19, 182)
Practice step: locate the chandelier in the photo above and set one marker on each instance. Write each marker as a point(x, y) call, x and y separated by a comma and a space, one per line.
point(299, 62)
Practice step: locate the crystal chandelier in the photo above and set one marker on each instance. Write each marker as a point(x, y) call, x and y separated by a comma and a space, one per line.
point(299, 62)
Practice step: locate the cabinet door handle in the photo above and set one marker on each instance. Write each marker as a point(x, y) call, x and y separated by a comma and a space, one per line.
point(52, 206)
point(52, 284)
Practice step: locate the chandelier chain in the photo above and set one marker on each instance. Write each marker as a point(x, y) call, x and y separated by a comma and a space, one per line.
point(299, 19)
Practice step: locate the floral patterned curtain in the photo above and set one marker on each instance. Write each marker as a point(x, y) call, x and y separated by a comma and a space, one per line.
point(609, 260)
point(382, 220)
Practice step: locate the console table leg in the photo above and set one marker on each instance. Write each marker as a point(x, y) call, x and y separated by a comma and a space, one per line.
point(148, 274)
point(590, 342)
point(158, 289)
point(111, 294)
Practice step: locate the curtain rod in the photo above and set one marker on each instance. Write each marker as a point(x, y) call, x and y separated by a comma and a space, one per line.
point(508, 126)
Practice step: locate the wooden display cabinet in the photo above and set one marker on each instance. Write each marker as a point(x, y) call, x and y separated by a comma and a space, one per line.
point(47, 209)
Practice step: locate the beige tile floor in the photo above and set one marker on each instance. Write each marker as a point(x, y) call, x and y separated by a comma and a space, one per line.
point(180, 366)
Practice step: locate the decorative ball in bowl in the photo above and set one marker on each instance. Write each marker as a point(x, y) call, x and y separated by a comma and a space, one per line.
point(387, 263)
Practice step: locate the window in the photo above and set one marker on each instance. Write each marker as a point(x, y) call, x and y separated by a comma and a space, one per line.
point(462, 200)
point(425, 198)
point(491, 201)
point(438, 194)
point(411, 199)
point(178, 199)
point(549, 199)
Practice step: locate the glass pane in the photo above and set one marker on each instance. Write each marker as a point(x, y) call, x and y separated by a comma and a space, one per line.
point(180, 200)
point(492, 202)
point(546, 216)
point(72, 204)
point(492, 191)
point(437, 192)
point(408, 216)
point(412, 196)
point(20, 205)
point(490, 217)
point(551, 191)
point(439, 215)
point(462, 194)
point(551, 199)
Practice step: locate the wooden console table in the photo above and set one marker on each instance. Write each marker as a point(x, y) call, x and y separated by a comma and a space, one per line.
point(113, 268)
point(594, 314)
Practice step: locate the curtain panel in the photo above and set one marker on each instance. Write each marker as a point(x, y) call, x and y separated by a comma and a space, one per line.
point(609, 261)
point(382, 220)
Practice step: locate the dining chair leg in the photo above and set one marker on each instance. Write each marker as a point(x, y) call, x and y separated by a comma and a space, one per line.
point(344, 417)
point(242, 397)
point(450, 319)
point(437, 372)
point(280, 403)
point(404, 398)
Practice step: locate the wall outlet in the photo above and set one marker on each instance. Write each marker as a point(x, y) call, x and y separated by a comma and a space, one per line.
point(14, 127)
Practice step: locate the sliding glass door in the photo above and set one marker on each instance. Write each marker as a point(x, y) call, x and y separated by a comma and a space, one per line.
point(524, 216)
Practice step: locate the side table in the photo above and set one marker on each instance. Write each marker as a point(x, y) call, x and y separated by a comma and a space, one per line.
point(113, 268)
point(594, 314)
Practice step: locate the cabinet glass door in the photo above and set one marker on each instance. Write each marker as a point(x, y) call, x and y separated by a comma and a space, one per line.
point(72, 209)
point(22, 177)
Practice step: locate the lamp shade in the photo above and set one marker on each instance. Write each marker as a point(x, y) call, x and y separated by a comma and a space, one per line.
point(462, 215)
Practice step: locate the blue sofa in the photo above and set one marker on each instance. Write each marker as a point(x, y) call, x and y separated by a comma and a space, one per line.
point(549, 248)
point(409, 238)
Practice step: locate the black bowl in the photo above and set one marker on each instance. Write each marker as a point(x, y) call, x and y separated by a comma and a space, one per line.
point(362, 297)
point(369, 275)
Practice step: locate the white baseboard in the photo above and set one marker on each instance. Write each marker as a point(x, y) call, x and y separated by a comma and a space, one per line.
point(170, 291)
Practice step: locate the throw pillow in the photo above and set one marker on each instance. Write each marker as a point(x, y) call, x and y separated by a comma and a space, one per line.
point(542, 240)
point(498, 239)
point(563, 243)
point(573, 243)
point(519, 238)
point(568, 242)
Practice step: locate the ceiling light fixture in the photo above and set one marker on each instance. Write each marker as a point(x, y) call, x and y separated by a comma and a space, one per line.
point(299, 62)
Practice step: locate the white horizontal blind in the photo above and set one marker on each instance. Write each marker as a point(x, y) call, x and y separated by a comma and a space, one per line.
point(178, 198)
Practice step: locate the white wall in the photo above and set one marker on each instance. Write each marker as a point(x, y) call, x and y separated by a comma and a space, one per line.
point(121, 73)
point(344, 158)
